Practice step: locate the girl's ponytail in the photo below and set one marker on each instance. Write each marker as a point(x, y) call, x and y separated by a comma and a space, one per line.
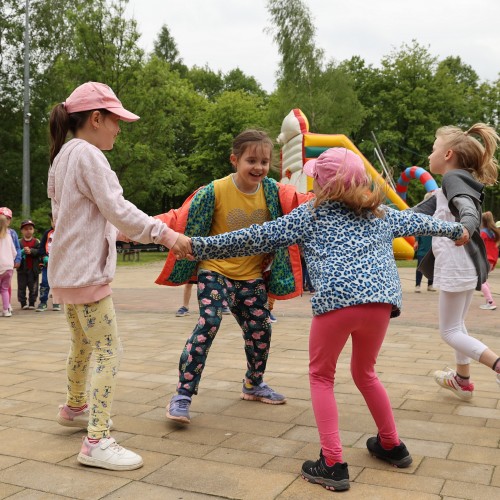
point(488, 170)
point(59, 124)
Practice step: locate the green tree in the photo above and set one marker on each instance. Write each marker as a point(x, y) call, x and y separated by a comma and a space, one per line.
point(324, 91)
point(153, 155)
point(215, 129)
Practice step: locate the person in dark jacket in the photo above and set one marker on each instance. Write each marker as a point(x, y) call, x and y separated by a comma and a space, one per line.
point(28, 271)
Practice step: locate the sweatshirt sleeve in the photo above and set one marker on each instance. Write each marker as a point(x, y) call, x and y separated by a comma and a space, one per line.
point(17, 246)
point(410, 223)
point(256, 239)
point(468, 215)
point(100, 184)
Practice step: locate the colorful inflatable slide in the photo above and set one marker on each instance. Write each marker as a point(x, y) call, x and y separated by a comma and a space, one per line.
point(300, 145)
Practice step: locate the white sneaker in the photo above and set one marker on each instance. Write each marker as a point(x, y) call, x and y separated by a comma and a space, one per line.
point(446, 379)
point(430, 288)
point(7, 313)
point(108, 454)
point(489, 306)
point(417, 289)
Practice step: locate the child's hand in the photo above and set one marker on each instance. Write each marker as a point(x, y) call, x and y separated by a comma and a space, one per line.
point(182, 248)
point(464, 239)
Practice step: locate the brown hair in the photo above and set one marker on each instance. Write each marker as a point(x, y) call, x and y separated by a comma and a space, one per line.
point(471, 155)
point(360, 196)
point(61, 123)
point(251, 137)
point(488, 222)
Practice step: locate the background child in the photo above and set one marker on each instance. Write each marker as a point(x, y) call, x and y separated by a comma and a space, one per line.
point(27, 272)
point(466, 166)
point(491, 238)
point(186, 297)
point(17, 262)
point(43, 255)
point(7, 256)
point(422, 246)
point(88, 205)
point(243, 198)
point(346, 238)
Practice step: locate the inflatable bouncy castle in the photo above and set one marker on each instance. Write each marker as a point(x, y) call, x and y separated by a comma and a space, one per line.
point(300, 145)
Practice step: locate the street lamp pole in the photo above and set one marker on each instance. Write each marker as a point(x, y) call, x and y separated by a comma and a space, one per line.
point(26, 209)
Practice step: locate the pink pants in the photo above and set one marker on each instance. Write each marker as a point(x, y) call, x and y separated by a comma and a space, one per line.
point(5, 281)
point(485, 288)
point(367, 324)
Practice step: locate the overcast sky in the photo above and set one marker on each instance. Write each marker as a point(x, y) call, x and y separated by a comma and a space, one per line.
point(225, 34)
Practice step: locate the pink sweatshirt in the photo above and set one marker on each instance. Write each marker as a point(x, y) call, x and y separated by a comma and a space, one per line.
point(7, 253)
point(87, 206)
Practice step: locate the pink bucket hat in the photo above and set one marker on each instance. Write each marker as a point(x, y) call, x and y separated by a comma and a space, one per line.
point(334, 162)
point(95, 95)
point(6, 211)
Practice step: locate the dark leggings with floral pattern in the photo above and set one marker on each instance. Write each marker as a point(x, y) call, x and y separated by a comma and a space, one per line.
point(248, 303)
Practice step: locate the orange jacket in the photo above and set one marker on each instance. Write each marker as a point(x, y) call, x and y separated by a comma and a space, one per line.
point(197, 212)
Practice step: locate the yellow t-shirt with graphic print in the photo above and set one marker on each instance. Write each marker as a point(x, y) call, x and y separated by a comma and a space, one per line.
point(236, 210)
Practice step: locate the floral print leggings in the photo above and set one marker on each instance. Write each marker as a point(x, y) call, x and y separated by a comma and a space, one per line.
point(248, 303)
point(93, 329)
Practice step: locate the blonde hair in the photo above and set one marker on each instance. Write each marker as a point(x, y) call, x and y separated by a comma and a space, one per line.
point(488, 222)
point(4, 224)
point(470, 154)
point(359, 195)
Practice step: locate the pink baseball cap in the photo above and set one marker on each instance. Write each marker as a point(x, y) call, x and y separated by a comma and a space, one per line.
point(95, 95)
point(6, 211)
point(334, 162)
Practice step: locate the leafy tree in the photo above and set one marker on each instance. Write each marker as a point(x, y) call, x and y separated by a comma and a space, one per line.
point(237, 80)
point(165, 48)
point(322, 90)
point(223, 120)
point(152, 158)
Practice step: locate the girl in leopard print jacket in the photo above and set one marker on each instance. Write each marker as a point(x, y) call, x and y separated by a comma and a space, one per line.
point(346, 237)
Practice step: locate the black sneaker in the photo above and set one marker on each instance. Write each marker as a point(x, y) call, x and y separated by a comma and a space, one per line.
point(398, 456)
point(334, 478)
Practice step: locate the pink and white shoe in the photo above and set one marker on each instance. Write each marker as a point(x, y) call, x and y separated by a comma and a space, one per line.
point(108, 454)
point(70, 418)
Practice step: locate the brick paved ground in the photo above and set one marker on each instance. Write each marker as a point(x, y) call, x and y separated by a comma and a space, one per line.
point(234, 448)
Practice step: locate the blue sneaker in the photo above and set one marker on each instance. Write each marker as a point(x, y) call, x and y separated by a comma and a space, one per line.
point(178, 409)
point(183, 311)
point(262, 393)
point(272, 317)
point(226, 310)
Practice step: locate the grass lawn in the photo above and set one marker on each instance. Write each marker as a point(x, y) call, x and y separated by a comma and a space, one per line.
point(145, 258)
point(407, 263)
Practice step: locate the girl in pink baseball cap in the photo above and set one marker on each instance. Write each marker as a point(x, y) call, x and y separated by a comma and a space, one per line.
point(346, 238)
point(88, 206)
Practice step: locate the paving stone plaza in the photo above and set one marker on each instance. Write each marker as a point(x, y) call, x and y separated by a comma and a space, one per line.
point(239, 449)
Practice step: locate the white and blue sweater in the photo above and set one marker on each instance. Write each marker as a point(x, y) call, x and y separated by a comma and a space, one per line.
point(349, 257)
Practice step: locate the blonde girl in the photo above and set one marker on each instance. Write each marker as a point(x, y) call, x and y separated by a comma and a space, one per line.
point(7, 255)
point(467, 162)
point(346, 239)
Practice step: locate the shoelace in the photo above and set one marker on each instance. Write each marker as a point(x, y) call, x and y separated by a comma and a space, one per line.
point(183, 404)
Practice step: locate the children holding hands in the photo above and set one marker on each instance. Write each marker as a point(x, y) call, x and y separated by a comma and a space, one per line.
point(346, 238)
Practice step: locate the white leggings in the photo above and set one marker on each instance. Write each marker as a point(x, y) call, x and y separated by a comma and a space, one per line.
point(453, 307)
